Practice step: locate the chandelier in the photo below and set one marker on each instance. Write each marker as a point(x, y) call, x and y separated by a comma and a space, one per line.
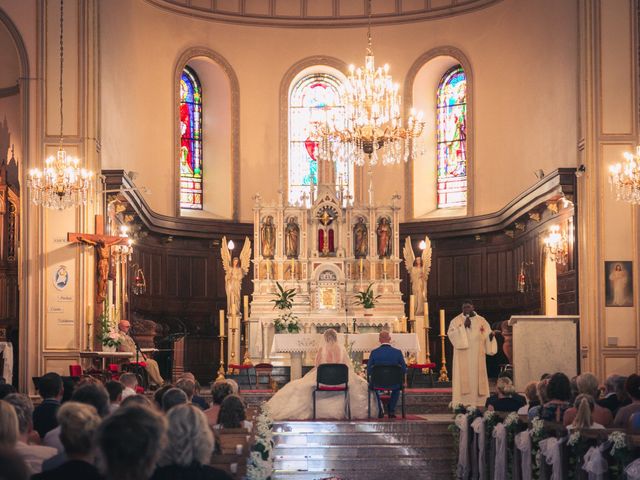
point(373, 127)
point(625, 178)
point(556, 245)
point(61, 183)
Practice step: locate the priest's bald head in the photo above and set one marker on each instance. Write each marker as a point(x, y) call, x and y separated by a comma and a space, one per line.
point(124, 326)
point(384, 336)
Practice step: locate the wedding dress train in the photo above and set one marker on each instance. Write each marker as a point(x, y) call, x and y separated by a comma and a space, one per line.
point(295, 400)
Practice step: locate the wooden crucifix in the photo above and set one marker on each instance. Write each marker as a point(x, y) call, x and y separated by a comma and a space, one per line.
point(102, 244)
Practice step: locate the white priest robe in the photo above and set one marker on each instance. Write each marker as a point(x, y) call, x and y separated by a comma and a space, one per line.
point(470, 345)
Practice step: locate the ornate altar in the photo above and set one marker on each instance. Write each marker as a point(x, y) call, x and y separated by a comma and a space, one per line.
point(327, 250)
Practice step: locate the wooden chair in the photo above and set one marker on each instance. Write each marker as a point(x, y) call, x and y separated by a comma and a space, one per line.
point(263, 370)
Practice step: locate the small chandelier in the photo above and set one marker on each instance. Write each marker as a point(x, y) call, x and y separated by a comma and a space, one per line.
point(556, 245)
point(624, 178)
point(61, 183)
point(373, 125)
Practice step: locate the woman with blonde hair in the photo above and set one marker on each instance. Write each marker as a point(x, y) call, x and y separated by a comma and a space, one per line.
point(584, 405)
point(505, 400)
point(294, 400)
point(9, 431)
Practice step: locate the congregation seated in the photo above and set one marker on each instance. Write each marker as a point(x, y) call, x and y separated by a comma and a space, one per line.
point(51, 391)
point(559, 398)
point(531, 395)
point(506, 399)
point(172, 397)
point(614, 394)
point(159, 393)
point(541, 389)
point(78, 425)
point(219, 391)
point(115, 389)
point(587, 384)
point(33, 455)
point(13, 467)
point(196, 398)
point(130, 383)
point(632, 387)
point(6, 389)
point(188, 386)
point(584, 417)
point(189, 447)
point(138, 400)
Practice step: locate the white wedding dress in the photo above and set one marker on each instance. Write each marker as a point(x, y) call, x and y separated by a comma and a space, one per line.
point(295, 400)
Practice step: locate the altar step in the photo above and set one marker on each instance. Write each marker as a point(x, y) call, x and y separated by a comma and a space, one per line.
point(411, 449)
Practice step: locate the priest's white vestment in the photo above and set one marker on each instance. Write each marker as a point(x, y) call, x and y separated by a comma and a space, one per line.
point(470, 347)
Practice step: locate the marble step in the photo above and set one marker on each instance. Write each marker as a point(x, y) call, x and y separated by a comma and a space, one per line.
point(361, 426)
point(358, 452)
point(350, 439)
point(380, 474)
point(363, 464)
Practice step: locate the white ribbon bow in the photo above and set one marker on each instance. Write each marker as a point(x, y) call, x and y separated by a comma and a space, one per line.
point(500, 463)
point(523, 443)
point(595, 464)
point(551, 450)
point(633, 470)
point(479, 429)
point(462, 423)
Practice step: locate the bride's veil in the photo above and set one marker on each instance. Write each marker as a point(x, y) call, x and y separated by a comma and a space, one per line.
point(331, 351)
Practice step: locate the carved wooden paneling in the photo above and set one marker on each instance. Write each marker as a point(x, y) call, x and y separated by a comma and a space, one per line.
point(461, 275)
point(445, 276)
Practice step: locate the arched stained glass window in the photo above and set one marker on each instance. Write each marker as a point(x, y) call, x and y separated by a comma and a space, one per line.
point(314, 98)
point(190, 140)
point(451, 139)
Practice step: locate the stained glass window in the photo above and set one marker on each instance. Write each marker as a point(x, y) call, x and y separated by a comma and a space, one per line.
point(190, 140)
point(451, 139)
point(315, 98)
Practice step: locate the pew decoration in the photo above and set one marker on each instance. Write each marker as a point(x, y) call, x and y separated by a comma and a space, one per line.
point(498, 446)
point(260, 461)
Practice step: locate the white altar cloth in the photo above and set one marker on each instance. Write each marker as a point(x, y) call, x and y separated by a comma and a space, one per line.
point(362, 342)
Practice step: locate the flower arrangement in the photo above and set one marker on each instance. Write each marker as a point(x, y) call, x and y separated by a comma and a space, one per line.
point(366, 298)
point(109, 335)
point(283, 301)
point(260, 461)
point(619, 441)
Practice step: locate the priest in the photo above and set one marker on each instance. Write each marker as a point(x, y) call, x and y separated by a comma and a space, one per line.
point(472, 339)
point(129, 345)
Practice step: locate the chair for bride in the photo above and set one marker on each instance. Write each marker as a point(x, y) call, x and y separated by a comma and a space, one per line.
point(332, 377)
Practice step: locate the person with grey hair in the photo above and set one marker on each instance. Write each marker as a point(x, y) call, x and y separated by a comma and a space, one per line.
point(190, 447)
point(188, 386)
point(614, 385)
point(33, 455)
point(172, 397)
point(587, 384)
point(9, 430)
point(78, 425)
point(130, 442)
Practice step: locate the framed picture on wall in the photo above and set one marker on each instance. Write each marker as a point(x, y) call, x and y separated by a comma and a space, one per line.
point(618, 284)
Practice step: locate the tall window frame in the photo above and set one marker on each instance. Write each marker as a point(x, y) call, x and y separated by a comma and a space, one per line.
point(190, 153)
point(316, 96)
point(451, 139)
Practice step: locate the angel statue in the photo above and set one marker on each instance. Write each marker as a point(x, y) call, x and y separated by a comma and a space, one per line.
point(418, 268)
point(234, 270)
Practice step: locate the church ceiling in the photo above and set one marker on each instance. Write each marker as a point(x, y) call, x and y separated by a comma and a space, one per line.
point(320, 13)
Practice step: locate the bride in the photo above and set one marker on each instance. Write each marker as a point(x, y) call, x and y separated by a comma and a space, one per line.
point(295, 402)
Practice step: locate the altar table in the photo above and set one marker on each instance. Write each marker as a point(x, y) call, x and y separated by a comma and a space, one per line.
point(298, 343)
point(103, 356)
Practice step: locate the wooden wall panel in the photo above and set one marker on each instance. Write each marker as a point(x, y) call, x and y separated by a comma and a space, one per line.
point(445, 276)
point(461, 275)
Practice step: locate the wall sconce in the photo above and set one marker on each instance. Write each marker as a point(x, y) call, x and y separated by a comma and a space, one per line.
point(556, 245)
point(139, 282)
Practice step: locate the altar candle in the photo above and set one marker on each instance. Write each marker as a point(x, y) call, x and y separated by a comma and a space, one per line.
point(361, 266)
point(246, 307)
point(293, 268)
point(109, 292)
point(426, 314)
point(412, 307)
point(222, 323)
point(442, 322)
point(384, 265)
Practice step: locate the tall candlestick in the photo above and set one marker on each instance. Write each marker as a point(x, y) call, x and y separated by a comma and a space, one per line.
point(412, 307)
point(361, 266)
point(222, 323)
point(246, 307)
point(293, 269)
point(384, 266)
point(426, 335)
point(442, 322)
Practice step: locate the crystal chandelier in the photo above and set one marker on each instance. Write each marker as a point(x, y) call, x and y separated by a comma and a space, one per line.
point(556, 245)
point(625, 178)
point(373, 125)
point(61, 183)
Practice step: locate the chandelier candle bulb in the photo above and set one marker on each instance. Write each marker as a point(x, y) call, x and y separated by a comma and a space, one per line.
point(442, 322)
point(222, 323)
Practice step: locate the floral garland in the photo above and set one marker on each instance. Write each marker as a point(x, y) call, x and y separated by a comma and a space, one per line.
point(620, 453)
point(260, 461)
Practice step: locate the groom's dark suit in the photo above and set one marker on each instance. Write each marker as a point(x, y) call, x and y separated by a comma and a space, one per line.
point(385, 354)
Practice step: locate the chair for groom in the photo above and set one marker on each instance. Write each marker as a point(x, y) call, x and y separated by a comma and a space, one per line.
point(332, 377)
point(386, 378)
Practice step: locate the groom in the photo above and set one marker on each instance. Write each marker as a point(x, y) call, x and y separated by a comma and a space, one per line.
point(385, 354)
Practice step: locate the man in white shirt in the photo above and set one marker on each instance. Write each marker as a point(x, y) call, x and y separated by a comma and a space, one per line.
point(130, 382)
point(33, 455)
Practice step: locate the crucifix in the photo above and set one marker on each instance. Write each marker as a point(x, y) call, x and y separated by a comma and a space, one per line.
point(102, 244)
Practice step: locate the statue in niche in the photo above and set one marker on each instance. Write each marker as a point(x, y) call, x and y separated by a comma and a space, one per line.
point(292, 238)
point(418, 268)
point(234, 270)
point(268, 236)
point(326, 241)
point(384, 237)
point(360, 239)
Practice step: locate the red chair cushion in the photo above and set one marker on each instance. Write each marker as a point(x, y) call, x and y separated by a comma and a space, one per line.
point(240, 367)
point(326, 388)
point(139, 390)
point(113, 368)
point(422, 366)
point(142, 364)
point(75, 370)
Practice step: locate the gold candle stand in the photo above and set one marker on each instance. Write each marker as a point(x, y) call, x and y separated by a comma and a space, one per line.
point(247, 358)
point(221, 369)
point(231, 371)
point(444, 377)
point(426, 347)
